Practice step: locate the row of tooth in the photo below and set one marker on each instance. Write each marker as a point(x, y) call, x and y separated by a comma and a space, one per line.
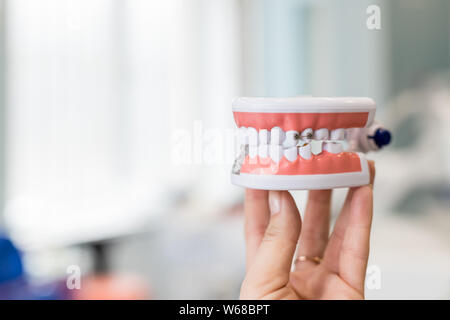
point(288, 139)
point(276, 152)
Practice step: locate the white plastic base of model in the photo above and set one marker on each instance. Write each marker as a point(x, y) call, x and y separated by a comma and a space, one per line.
point(304, 182)
point(307, 104)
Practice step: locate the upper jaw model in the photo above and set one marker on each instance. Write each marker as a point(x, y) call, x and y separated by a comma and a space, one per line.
point(275, 136)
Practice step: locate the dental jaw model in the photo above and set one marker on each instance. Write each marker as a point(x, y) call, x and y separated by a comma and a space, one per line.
point(276, 137)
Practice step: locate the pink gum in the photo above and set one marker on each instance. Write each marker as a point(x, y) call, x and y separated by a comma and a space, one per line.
point(324, 163)
point(301, 121)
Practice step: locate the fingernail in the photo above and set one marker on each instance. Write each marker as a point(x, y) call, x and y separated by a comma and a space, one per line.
point(274, 202)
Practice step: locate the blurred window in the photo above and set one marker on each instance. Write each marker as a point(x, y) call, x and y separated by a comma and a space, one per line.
point(94, 90)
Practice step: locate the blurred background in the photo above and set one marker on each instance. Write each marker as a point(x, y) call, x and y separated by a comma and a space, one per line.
point(116, 138)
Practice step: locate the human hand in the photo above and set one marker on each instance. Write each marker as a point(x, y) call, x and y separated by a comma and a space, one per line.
point(273, 228)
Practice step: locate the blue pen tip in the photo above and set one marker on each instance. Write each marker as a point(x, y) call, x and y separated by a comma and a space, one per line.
point(382, 137)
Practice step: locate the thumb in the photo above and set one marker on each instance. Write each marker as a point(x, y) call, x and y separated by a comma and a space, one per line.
point(272, 263)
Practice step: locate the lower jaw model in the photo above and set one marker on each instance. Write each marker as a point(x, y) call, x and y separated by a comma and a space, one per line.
point(276, 135)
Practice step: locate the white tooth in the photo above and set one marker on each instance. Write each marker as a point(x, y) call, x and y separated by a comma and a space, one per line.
point(307, 134)
point(316, 147)
point(252, 151)
point(333, 147)
point(305, 151)
point(337, 134)
point(263, 150)
point(302, 142)
point(321, 134)
point(291, 139)
point(277, 136)
point(264, 136)
point(291, 154)
point(252, 136)
point(243, 136)
point(276, 152)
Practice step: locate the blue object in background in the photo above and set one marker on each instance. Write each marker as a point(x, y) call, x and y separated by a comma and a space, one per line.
point(14, 284)
point(10, 262)
point(382, 137)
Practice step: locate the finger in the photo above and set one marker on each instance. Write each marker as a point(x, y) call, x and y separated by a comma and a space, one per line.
point(271, 266)
point(355, 245)
point(316, 224)
point(256, 208)
point(331, 256)
point(372, 172)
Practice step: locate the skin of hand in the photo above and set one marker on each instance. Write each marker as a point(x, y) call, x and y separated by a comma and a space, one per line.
point(275, 234)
